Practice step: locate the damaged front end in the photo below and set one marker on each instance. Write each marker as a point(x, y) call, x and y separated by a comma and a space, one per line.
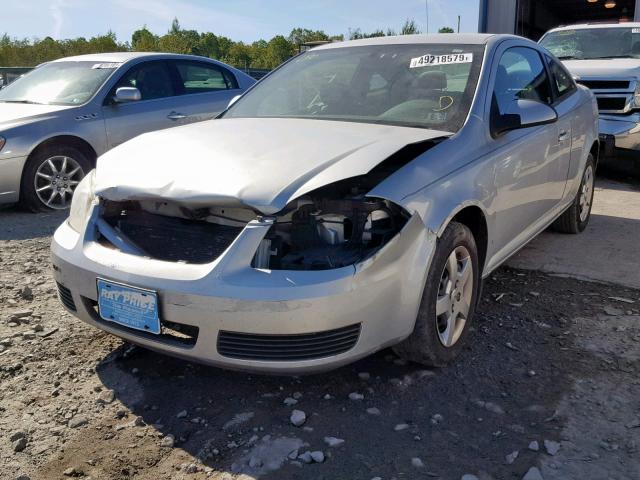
point(331, 227)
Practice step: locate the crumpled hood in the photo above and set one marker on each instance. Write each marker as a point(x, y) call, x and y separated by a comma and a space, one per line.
point(14, 114)
point(261, 163)
point(614, 67)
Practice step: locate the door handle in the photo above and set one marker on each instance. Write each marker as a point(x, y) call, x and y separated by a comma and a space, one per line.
point(563, 136)
point(176, 116)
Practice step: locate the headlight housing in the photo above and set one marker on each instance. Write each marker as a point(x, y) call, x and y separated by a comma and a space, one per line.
point(329, 228)
point(635, 102)
point(83, 198)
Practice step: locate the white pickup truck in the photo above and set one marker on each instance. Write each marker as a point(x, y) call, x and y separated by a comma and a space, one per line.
point(606, 59)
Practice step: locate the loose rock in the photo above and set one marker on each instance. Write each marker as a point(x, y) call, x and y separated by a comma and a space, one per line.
point(317, 456)
point(168, 441)
point(551, 447)
point(77, 421)
point(333, 441)
point(298, 417)
point(533, 474)
point(510, 458)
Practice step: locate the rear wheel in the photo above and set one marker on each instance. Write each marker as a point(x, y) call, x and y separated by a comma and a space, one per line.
point(448, 301)
point(51, 176)
point(576, 218)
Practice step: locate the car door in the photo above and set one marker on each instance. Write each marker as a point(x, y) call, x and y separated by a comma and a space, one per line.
point(530, 166)
point(158, 107)
point(567, 105)
point(205, 88)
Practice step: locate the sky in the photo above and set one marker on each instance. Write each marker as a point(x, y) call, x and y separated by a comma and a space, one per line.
point(246, 20)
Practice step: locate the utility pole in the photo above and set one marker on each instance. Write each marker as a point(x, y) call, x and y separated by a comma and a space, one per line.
point(458, 23)
point(426, 6)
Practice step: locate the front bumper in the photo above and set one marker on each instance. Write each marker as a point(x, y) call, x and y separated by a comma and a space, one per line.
point(382, 295)
point(621, 131)
point(10, 176)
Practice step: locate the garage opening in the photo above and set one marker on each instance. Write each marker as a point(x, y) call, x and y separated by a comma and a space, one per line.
point(535, 17)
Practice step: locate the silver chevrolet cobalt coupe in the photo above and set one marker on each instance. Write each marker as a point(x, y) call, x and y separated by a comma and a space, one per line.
point(352, 200)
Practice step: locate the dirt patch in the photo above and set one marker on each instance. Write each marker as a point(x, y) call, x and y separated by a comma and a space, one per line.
point(546, 362)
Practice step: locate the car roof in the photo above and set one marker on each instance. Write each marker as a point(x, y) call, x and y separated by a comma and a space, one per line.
point(434, 38)
point(582, 26)
point(122, 57)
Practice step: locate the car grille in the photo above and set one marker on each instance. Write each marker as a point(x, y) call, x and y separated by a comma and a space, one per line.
point(606, 84)
point(307, 346)
point(174, 239)
point(612, 103)
point(65, 297)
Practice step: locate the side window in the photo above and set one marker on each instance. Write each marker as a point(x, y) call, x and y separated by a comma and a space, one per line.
point(521, 75)
point(199, 77)
point(563, 84)
point(153, 79)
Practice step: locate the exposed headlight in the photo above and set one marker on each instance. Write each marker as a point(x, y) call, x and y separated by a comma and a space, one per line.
point(2, 142)
point(81, 202)
point(329, 228)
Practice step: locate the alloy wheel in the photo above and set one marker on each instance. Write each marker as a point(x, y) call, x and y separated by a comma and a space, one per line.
point(454, 296)
point(56, 179)
point(586, 193)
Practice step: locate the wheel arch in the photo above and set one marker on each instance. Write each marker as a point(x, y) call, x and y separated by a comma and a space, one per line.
point(595, 151)
point(473, 216)
point(66, 140)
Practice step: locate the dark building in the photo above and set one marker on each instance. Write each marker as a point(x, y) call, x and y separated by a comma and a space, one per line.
point(531, 18)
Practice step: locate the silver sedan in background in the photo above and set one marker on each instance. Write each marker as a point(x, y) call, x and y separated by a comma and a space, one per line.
point(56, 120)
point(353, 199)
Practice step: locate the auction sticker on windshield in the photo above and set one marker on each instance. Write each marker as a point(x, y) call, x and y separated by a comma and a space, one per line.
point(128, 306)
point(446, 59)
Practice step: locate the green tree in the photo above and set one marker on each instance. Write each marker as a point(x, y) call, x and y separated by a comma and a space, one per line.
point(446, 30)
point(298, 36)
point(357, 34)
point(178, 40)
point(143, 40)
point(239, 55)
point(208, 45)
point(279, 49)
point(410, 27)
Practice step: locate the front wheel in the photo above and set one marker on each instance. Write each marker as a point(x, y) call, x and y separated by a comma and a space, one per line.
point(576, 218)
point(51, 176)
point(448, 301)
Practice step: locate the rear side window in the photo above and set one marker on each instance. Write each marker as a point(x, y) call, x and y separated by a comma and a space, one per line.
point(563, 84)
point(199, 77)
point(153, 79)
point(521, 75)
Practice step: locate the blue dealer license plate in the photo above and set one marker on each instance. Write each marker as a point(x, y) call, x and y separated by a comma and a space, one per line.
point(128, 306)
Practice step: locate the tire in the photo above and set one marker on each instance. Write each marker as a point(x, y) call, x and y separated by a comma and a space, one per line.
point(432, 344)
point(40, 181)
point(576, 218)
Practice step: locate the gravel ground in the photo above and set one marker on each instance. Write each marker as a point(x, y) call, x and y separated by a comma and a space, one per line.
point(548, 388)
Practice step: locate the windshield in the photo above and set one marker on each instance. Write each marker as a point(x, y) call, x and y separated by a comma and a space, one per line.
point(59, 83)
point(591, 43)
point(426, 85)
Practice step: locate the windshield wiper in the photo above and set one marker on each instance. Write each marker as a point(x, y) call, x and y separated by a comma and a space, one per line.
point(21, 101)
point(610, 56)
point(568, 57)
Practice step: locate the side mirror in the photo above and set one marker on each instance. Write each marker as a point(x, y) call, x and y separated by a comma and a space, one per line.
point(523, 114)
point(233, 100)
point(127, 94)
